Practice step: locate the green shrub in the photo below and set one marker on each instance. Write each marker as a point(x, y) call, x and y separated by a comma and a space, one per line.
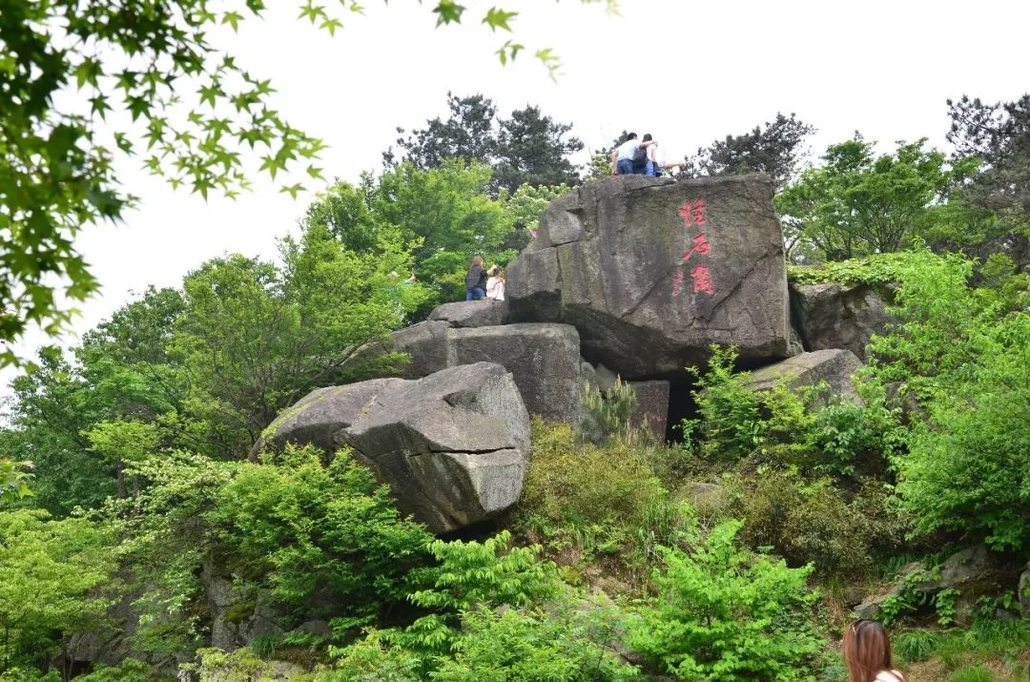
point(130, 670)
point(731, 424)
point(725, 614)
point(325, 540)
point(963, 354)
point(56, 577)
point(814, 521)
point(787, 426)
point(594, 496)
point(553, 644)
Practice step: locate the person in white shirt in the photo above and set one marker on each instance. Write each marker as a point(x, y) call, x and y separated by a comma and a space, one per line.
point(655, 166)
point(622, 156)
point(495, 283)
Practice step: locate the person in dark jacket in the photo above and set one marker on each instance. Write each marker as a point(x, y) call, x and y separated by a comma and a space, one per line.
point(475, 281)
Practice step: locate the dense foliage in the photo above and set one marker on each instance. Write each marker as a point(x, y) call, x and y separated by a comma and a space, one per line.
point(135, 507)
point(198, 118)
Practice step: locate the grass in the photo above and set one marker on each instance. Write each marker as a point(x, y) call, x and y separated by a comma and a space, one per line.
point(989, 651)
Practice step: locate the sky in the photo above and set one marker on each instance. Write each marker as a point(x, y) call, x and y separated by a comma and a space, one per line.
point(688, 72)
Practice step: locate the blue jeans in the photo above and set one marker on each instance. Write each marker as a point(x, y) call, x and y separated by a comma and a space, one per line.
point(624, 167)
point(475, 294)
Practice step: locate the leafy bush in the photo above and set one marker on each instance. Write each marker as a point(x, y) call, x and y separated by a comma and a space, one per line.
point(724, 614)
point(473, 586)
point(788, 426)
point(963, 354)
point(486, 574)
point(326, 540)
point(814, 522)
point(55, 578)
point(875, 269)
point(130, 670)
point(554, 644)
point(594, 496)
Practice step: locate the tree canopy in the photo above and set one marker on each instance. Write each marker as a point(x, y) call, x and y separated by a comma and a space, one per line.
point(196, 118)
point(526, 148)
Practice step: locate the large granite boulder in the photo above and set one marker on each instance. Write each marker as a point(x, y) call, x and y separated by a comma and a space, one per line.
point(487, 313)
point(834, 366)
point(832, 315)
point(452, 446)
point(652, 271)
point(543, 358)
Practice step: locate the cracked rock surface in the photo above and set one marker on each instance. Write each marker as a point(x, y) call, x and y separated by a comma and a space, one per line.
point(452, 446)
point(625, 261)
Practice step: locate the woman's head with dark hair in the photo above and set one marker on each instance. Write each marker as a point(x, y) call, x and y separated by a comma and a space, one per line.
point(647, 138)
point(867, 650)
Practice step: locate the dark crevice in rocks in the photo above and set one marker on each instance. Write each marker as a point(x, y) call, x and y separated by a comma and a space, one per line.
point(681, 406)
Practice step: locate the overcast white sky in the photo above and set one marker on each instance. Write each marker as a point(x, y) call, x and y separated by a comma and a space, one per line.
point(686, 71)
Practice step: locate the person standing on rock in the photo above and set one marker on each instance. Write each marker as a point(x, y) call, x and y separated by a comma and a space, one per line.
point(475, 281)
point(867, 653)
point(495, 283)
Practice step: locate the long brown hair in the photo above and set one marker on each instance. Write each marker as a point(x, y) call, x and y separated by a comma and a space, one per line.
point(867, 650)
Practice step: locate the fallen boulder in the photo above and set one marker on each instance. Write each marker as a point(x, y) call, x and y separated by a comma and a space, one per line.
point(452, 446)
point(834, 366)
point(834, 315)
point(652, 272)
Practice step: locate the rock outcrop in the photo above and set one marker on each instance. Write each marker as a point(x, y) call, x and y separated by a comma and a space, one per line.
point(652, 411)
point(486, 313)
point(835, 367)
point(652, 271)
point(542, 358)
point(452, 446)
point(834, 315)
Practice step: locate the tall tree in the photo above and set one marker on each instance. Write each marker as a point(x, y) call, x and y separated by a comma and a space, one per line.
point(196, 117)
point(469, 133)
point(535, 150)
point(253, 337)
point(775, 149)
point(528, 147)
point(999, 135)
point(857, 203)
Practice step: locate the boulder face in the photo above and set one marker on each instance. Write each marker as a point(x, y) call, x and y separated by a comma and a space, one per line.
point(834, 366)
point(452, 446)
point(486, 313)
point(543, 358)
point(652, 271)
point(834, 315)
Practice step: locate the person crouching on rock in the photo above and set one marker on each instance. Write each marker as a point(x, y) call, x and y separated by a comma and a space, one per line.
point(475, 281)
point(867, 653)
point(495, 283)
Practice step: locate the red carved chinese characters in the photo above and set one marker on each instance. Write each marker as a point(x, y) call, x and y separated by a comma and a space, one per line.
point(693, 214)
point(700, 247)
point(702, 278)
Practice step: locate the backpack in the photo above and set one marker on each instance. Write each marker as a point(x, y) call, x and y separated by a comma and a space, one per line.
point(639, 158)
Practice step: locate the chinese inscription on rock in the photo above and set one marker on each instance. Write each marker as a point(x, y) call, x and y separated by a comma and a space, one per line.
point(695, 222)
